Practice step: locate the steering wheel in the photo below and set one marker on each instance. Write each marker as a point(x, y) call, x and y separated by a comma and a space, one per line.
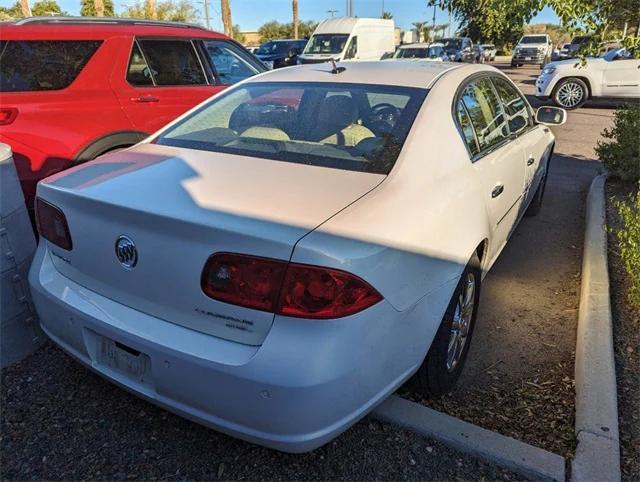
point(382, 118)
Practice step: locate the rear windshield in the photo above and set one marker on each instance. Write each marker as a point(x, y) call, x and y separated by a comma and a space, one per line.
point(355, 127)
point(35, 65)
point(534, 39)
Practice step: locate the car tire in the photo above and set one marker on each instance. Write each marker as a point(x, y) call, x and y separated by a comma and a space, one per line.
point(570, 93)
point(536, 203)
point(441, 367)
point(513, 65)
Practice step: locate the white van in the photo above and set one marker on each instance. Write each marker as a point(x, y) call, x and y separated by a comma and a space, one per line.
point(350, 38)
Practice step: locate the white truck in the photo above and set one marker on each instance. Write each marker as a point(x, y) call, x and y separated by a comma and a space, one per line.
point(349, 38)
point(533, 49)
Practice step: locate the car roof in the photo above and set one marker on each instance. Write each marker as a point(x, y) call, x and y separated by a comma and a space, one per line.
point(418, 45)
point(77, 28)
point(404, 73)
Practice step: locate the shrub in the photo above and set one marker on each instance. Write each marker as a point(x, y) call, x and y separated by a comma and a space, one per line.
point(621, 156)
point(629, 241)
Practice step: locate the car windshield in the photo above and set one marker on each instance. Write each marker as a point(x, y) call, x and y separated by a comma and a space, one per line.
point(415, 53)
point(326, 43)
point(616, 54)
point(534, 39)
point(452, 43)
point(271, 48)
point(487, 46)
point(580, 40)
point(356, 127)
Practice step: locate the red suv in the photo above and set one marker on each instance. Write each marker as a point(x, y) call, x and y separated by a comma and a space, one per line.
point(72, 89)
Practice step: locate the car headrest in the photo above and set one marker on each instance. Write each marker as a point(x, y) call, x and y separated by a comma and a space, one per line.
point(338, 111)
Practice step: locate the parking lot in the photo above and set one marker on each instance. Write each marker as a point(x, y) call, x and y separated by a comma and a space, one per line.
point(61, 421)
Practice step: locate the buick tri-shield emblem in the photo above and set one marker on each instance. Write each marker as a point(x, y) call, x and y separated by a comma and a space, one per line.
point(126, 252)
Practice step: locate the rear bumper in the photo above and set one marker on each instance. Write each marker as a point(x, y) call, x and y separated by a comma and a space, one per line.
point(307, 383)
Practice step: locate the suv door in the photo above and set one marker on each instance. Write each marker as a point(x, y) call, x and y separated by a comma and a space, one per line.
point(497, 157)
point(533, 137)
point(622, 76)
point(162, 78)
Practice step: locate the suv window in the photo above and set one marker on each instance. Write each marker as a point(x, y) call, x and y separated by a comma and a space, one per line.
point(138, 72)
point(518, 114)
point(485, 112)
point(35, 65)
point(231, 64)
point(352, 49)
point(173, 62)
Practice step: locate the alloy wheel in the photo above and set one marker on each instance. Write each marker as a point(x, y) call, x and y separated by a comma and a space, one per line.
point(570, 94)
point(462, 317)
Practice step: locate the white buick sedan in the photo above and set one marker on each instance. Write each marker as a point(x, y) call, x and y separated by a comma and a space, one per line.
point(281, 258)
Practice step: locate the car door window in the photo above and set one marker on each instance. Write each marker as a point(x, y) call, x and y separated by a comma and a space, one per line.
point(486, 114)
point(352, 49)
point(173, 62)
point(466, 128)
point(138, 72)
point(518, 114)
point(230, 63)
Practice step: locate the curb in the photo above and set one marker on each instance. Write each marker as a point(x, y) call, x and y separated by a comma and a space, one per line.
point(524, 459)
point(598, 450)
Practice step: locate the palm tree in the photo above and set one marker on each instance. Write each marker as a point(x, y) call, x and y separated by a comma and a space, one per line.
point(26, 9)
point(99, 6)
point(294, 7)
point(387, 15)
point(419, 26)
point(225, 9)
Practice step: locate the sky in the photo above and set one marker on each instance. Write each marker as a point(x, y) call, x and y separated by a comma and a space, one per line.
point(250, 14)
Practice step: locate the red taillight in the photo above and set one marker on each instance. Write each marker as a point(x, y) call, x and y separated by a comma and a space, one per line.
point(8, 115)
point(289, 289)
point(52, 224)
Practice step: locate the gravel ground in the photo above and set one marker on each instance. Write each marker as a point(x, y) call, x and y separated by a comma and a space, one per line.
point(626, 334)
point(62, 422)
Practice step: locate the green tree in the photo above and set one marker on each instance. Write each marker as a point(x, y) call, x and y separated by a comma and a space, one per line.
point(11, 13)
point(173, 10)
point(275, 30)
point(88, 8)
point(237, 35)
point(47, 8)
point(387, 15)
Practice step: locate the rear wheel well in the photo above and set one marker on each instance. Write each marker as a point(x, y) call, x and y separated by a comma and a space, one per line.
point(481, 250)
point(108, 142)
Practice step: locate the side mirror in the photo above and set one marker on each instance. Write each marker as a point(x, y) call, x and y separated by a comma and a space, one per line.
point(551, 116)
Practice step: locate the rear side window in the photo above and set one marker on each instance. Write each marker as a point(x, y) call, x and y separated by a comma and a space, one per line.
point(519, 117)
point(138, 72)
point(37, 65)
point(485, 112)
point(173, 62)
point(466, 128)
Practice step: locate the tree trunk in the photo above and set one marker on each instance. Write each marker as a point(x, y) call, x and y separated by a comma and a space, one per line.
point(150, 9)
point(294, 7)
point(99, 6)
point(26, 9)
point(226, 17)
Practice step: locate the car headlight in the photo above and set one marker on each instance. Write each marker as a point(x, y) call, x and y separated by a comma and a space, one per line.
point(452, 56)
point(548, 70)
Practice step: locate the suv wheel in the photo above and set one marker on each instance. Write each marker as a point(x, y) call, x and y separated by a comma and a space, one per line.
point(570, 93)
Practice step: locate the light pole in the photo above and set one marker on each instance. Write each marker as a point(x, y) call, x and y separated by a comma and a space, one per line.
point(206, 14)
point(332, 12)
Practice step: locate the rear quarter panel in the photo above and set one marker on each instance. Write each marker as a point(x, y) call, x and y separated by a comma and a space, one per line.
point(416, 231)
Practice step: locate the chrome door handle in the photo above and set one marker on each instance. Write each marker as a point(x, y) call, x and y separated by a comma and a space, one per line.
point(530, 161)
point(497, 191)
point(145, 98)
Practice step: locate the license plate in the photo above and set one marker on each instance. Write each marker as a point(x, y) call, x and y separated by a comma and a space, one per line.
point(527, 58)
point(123, 359)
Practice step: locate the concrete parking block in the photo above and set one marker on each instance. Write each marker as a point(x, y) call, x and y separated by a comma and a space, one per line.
point(522, 458)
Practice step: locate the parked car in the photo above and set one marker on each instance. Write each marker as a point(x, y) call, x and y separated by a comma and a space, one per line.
point(480, 55)
point(562, 53)
point(72, 89)
point(350, 38)
point(421, 51)
point(615, 74)
point(281, 53)
point(490, 52)
point(459, 49)
point(294, 239)
point(533, 50)
point(252, 49)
